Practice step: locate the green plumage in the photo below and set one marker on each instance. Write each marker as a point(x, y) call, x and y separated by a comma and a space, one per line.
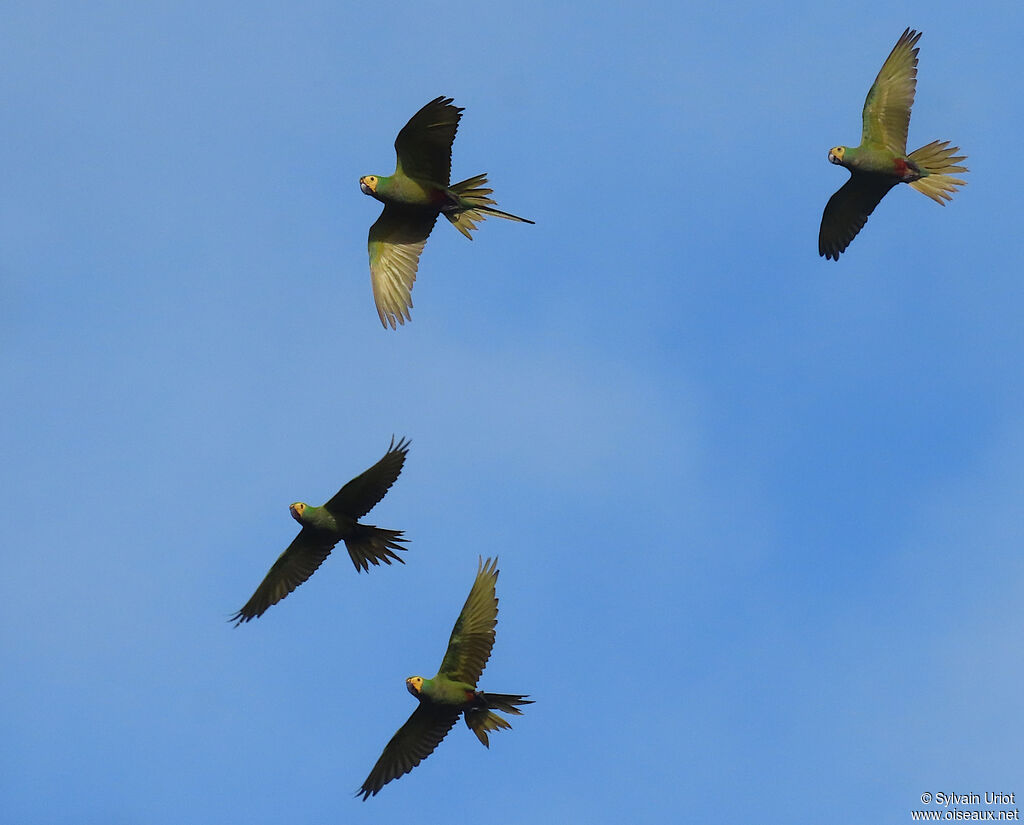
point(323, 527)
point(452, 692)
point(413, 197)
point(881, 161)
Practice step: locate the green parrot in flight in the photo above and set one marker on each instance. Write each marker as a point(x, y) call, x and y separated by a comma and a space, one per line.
point(452, 692)
point(413, 197)
point(323, 527)
point(881, 161)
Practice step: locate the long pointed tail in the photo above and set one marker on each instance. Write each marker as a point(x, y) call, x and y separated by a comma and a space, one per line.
point(481, 719)
point(938, 160)
point(373, 545)
point(475, 204)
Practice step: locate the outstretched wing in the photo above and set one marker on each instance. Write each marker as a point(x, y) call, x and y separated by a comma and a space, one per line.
point(424, 146)
point(887, 107)
point(847, 211)
point(296, 564)
point(396, 241)
point(471, 641)
point(413, 743)
point(362, 493)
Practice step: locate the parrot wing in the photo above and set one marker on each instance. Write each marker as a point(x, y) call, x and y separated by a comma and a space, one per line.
point(887, 107)
point(396, 241)
point(424, 146)
point(847, 211)
point(413, 743)
point(296, 564)
point(362, 493)
point(472, 638)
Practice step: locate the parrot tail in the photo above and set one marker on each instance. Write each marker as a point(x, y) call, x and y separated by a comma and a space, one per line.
point(937, 160)
point(475, 204)
point(373, 545)
point(480, 719)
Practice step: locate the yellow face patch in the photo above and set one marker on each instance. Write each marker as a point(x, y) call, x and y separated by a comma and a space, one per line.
point(836, 153)
point(297, 509)
point(368, 183)
point(414, 684)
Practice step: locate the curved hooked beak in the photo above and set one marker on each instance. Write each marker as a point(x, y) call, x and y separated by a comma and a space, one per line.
point(365, 187)
point(833, 157)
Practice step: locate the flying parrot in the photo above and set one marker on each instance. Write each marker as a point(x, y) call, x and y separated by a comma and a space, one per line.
point(452, 692)
point(323, 527)
point(413, 197)
point(881, 161)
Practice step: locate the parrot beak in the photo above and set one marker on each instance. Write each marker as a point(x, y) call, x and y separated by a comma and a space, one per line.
point(365, 187)
point(832, 156)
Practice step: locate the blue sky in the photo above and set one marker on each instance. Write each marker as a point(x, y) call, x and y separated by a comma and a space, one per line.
point(757, 514)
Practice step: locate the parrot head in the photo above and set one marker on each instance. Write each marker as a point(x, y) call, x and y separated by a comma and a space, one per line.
point(368, 184)
point(836, 154)
point(414, 684)
point(297, 509)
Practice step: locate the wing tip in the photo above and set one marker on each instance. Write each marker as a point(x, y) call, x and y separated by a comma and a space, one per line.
point(390, 318)
point(909, 37)
point(241, 617)
point(402, 446)
point(445, 100)
point(487, 567)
